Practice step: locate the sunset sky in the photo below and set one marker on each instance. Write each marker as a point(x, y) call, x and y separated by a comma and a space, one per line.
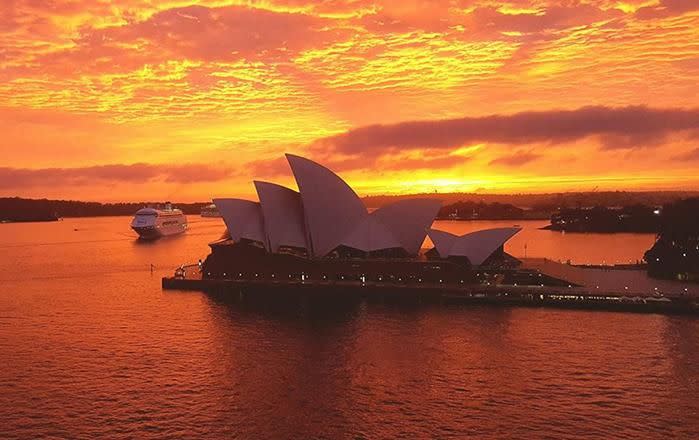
point(151, 100)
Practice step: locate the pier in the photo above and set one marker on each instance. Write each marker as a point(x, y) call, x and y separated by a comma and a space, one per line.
point(420, 291)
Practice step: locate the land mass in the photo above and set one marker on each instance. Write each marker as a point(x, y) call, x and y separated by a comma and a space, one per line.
point(548, 202)
point(636, 218)
point(468, 210)
point(456, 206)
point(15, 209)
point(675, 254)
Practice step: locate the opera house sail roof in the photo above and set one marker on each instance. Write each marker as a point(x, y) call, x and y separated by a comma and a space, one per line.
point(243, 218)
point(476, 246)
point(282, 214)
point(332, 209)
point(326, 214)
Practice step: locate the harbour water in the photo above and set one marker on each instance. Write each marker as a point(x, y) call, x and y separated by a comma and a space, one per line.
point(90, 346)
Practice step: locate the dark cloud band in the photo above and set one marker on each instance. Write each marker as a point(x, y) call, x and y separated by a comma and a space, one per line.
point(623, 127)
point(115, 173)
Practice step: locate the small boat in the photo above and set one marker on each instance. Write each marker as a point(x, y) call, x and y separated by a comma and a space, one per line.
point(152, 223)
point(210, 211)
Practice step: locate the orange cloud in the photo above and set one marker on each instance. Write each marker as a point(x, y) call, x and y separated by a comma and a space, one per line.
point(95, 175)
point(516, 159)
point(235, 83)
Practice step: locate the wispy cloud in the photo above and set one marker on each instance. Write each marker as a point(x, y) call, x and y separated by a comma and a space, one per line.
point(689, 156)
point(516, 159)
point(133, 173)
point(192, 82)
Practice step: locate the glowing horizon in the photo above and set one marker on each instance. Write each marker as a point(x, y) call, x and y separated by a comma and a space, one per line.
point(189, 100)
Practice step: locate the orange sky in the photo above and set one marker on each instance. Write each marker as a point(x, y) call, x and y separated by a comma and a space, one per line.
point(186, 100)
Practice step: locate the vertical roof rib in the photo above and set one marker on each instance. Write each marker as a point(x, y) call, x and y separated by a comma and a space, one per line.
point(283, 215)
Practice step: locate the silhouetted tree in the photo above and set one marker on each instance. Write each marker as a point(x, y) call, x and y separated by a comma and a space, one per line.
point(675, 253)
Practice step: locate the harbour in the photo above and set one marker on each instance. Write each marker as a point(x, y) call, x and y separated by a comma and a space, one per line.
point(323, 243)
point(349, 219)
point(227, 364)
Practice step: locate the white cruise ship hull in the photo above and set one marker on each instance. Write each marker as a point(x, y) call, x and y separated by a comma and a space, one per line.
point(151, 224)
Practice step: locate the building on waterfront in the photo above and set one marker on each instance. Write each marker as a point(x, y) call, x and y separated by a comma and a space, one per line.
point(326, 219)
point(323, 239)
point(476, 247)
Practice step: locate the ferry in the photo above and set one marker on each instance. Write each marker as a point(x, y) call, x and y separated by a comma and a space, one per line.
point(210, 211)
point(152, 223)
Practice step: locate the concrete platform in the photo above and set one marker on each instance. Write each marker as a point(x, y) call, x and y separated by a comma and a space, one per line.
point(503, 295)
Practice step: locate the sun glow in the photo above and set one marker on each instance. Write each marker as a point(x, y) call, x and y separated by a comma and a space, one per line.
point(233, 84)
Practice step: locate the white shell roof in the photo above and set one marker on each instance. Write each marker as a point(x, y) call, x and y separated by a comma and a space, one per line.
point(243, 218)
point(332, 210)
point(324, 214)
point(476, 246)
point(408, 221)
point(371, 235)
point(442, 241)
point(282, 212)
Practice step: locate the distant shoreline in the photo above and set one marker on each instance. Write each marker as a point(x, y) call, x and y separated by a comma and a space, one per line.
point(48, 220)
point(16, 209)
point(493, 219)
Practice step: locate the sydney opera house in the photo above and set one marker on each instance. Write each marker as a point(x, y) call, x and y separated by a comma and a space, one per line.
point(324, 231)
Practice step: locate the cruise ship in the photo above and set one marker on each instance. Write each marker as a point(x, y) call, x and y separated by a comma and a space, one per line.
point(152, 223)
point(210, 211)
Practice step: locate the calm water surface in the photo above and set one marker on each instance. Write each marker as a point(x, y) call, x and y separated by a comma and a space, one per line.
point(91, 347)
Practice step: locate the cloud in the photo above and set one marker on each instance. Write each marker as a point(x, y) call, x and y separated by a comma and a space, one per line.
point(630, 124)
point(219, 34)
point(426, 159)
point(667, 8)
point(491, 21)
point(262, 168)
point(485, 20)
point(516, 159)
point(689, 156)
point(144, 37)
point(114, 173)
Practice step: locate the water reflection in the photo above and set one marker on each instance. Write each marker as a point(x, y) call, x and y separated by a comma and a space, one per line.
point(451, 371)
point(579, 248)
point(680, 338)
point(90, 346)
point(284, 365)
